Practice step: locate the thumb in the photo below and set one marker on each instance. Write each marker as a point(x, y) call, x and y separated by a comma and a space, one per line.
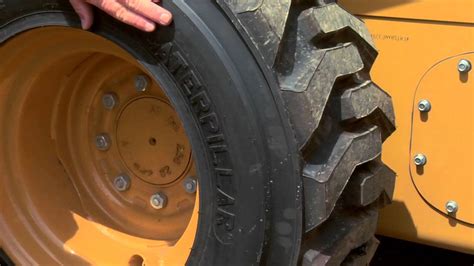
point(84, 11)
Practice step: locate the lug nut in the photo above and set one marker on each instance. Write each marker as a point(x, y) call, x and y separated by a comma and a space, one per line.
point(464, 66)
point(109, 100)
point(141, 83)
point(122, 183)
point(451, 207)
point(158, 200)
point(102, 142)
point(424, 106)
point(420, 159)
point(190, 185)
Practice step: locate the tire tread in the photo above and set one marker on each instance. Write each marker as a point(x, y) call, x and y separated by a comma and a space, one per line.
point(322, 56)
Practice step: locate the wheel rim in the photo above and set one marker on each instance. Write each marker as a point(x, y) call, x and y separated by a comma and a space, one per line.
point(96, 166)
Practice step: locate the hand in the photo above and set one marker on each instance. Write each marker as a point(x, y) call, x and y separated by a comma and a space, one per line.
point(142, 14)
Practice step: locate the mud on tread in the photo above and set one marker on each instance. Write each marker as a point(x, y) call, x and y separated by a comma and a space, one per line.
point(322, 56)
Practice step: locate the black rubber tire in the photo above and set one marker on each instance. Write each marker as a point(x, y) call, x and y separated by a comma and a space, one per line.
point(278, 104)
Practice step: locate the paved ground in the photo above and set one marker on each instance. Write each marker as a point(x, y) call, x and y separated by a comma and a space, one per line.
point(397, 252)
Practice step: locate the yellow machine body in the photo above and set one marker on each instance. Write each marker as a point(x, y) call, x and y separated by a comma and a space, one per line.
point(420, 44)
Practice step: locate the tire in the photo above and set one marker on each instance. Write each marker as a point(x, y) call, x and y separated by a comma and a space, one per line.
point(284, 122)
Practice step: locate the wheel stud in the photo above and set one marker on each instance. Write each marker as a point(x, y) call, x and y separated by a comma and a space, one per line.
point(122, 183)
point(141, 83)
point(158, 200)
point(190, 185)
point(102, 142)
point(109, 101)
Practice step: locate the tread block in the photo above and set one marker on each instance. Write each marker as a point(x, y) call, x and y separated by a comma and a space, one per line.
point(367, 186)
point(341, 234)
point(365, 100)
point(324, 183)
point(298, 56)
point(306, 107)
point(263, 21)
point(333, 18)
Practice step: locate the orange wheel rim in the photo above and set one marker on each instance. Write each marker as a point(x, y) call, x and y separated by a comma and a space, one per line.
point(96, 166)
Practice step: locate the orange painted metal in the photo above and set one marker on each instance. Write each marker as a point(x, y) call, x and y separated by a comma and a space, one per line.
point(458, 11)
point(57, 199)
point(419, 45)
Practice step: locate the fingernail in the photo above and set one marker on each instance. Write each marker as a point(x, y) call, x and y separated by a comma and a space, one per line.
point(165, 18)
point(83, 22)
point(149, 27)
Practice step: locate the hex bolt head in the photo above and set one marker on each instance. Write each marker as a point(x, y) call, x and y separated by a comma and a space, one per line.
point(424, 106)
point(109, 100)
point(102, 142)
point(464, 66)
point(451, 207)
point(158, 201)
point(122, 183)
point(141, 83)
point(420, 159)
point(190, 185)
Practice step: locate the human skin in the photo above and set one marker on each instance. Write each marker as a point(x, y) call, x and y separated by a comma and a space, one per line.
point(141, 14)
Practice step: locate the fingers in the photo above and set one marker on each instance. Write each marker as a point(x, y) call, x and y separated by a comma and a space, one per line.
point(149, 10)
point(84, 10)
point(141, 14)
point(124, 14)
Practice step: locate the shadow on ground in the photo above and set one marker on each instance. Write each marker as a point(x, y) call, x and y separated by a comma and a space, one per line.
point(397, 252)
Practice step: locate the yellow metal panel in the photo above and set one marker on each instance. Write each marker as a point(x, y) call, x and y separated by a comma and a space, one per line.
point(437, 10)
point(408, 49)
point(445, 136)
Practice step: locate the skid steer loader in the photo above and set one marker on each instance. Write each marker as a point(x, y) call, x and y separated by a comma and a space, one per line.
point(248, 132)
